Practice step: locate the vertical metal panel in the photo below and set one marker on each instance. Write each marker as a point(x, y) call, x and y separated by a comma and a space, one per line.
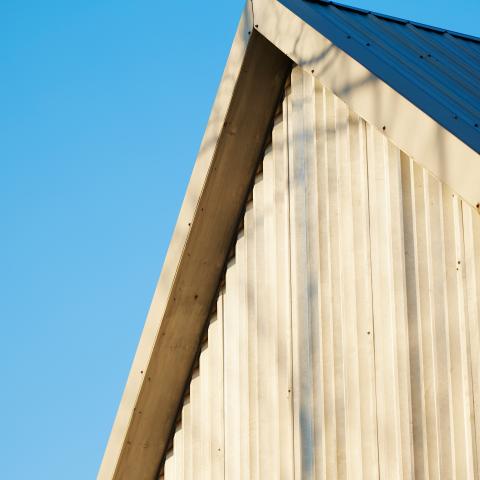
point(267, 340)
point(471, 222)
point(244, 378)
point(247, 258)
point(232, 374)
point(279, 250)
point(196, 422)
point(197, 451)
point(204, 467)
point(331, 294)
point(187, 440)
point(301, 146)
point(346, 342)
point(389, 308)
point(437, 245)
point(215, 440)
point(178, 453)
point(169, 473)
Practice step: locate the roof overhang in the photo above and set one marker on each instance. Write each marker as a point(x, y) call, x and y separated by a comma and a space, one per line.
point(249, 92)
point(294, 26)
point(268, 38)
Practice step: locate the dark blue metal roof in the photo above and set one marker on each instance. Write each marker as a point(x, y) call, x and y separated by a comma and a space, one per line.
point(436, 69)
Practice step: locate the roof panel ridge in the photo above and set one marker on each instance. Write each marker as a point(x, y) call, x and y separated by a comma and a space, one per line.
point(384, 16)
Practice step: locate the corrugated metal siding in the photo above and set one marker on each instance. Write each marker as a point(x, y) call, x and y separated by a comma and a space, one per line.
point(334, 376)
point(346, 342)
point(435, 69)
point(197, 448)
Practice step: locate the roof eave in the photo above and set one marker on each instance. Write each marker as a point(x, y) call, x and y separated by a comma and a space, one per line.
point(246, 100)
point(431, 136)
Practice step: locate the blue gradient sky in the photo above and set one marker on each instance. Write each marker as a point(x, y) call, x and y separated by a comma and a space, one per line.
point(103, 107)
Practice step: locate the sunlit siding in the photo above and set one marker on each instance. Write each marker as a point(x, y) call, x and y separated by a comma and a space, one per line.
point(346, 338)
point(334, 375)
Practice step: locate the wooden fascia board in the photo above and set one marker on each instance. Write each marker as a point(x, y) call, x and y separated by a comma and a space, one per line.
point(407, 126)
point(243, 111)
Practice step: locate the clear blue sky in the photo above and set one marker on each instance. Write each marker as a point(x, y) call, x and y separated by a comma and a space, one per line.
point(103, 104)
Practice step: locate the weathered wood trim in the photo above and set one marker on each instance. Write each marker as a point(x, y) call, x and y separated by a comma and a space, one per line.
point(242, 114)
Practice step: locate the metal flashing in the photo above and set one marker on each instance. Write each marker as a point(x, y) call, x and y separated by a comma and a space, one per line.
point(386, 49)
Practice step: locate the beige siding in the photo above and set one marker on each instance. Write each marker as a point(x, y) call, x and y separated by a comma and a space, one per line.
point(346, 340)
point(334, 395)
point(178, 449)
point(437, 245)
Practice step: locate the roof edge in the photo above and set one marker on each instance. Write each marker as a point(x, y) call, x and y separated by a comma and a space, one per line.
point(320, 47)
point(244, 107)
point(393, 18)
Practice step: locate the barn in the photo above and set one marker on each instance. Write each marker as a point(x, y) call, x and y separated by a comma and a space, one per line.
point(318, 311)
